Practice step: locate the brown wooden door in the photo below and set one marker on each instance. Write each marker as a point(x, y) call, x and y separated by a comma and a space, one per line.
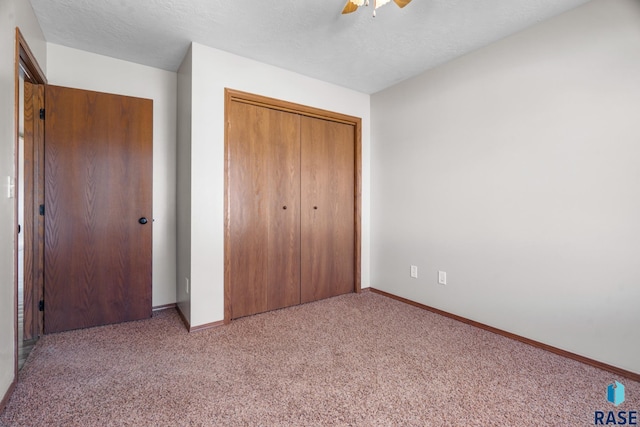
point(328, 208)
point(28, 226)
point(264, 208)
point(33, 197)
point(98, 184)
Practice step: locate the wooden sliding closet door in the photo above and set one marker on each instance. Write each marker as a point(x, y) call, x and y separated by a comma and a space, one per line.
point(264, 208)
point(328, 208)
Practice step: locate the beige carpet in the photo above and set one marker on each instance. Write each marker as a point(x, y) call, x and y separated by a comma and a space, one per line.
point(362, 360)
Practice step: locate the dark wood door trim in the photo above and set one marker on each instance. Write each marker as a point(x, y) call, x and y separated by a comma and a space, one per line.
point(29, 227)
point(232, 95)
point(28, 60)
point(25, 59)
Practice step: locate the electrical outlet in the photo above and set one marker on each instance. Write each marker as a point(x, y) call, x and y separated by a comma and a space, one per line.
point(442, 277)
point(186, 284)
point(414, 271)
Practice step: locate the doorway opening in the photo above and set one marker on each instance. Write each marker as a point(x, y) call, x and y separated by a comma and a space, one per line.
point(24, 344)
point(29, 80)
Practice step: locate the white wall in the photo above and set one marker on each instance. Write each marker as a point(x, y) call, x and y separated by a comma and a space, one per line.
point(84, 70)
point(212, 71)
point(184, 185)
point(515, 169)
point(12, 13)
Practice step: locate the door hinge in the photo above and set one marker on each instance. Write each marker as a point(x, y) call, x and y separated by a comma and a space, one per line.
point(41, 305)
point(42, 114)
point(41, 210)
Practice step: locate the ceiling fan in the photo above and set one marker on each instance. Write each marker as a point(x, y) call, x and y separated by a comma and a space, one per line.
point(353, 5)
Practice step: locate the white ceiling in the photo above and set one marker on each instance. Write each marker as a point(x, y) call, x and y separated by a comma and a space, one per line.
point(310, 37)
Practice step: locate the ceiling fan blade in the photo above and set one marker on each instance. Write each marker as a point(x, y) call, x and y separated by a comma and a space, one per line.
point(350, 7)
point(402, 3)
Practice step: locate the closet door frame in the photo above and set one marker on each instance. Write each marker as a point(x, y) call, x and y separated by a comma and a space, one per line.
point(232, 95)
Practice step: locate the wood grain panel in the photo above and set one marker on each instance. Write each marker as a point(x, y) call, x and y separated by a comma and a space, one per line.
point(33, 227)
point(283, 181)
point(264, 199)
point(98, 184)
point(28, 227)
point(38, 199)
point(248, 199)
point(328, 208)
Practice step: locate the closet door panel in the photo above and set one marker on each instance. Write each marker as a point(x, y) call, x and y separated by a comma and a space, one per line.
point(327, 208)
point(248, 198)
point(264, 178)
point(283, 180)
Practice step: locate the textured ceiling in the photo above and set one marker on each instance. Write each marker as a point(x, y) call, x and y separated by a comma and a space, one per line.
point(310, 37)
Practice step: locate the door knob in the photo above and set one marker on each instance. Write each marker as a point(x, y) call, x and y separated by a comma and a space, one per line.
point(143, 220)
